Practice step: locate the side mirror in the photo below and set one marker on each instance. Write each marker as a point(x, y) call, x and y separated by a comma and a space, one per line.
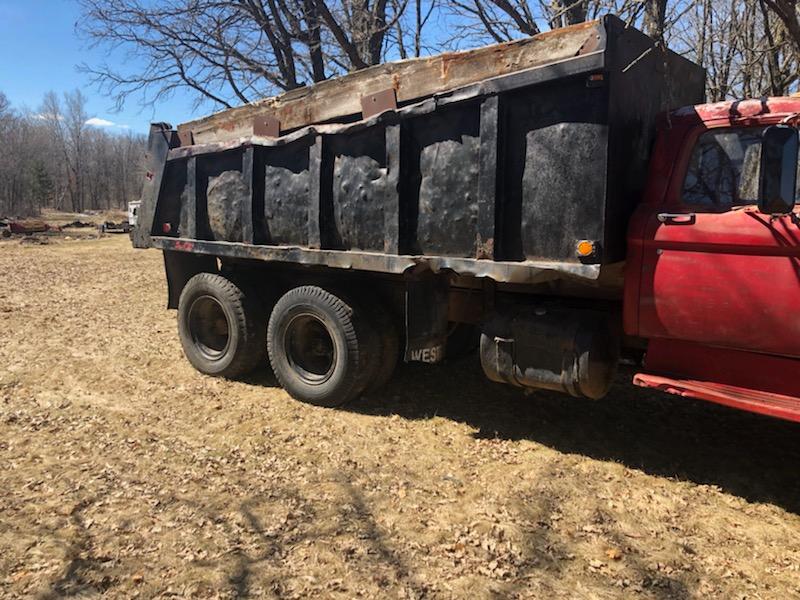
point(777, 177)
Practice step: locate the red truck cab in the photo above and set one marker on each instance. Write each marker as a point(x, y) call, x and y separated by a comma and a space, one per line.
point(712, 279)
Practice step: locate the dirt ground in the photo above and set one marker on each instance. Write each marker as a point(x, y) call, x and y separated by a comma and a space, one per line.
point(125, 473)
point(56, 217)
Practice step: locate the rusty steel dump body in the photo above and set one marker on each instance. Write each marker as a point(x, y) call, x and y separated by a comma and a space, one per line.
point(500, 178)
point(344, 99)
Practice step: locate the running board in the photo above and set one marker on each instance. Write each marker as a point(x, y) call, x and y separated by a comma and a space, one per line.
point(765, 403)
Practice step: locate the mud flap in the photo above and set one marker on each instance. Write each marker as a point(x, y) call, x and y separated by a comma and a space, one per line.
point(426, 316)
point(181, 267)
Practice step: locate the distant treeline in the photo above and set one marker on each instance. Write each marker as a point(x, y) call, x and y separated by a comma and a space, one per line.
point(55, 158)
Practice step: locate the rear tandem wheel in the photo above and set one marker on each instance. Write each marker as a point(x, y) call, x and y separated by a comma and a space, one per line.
point(322, 346)
point(221, 326)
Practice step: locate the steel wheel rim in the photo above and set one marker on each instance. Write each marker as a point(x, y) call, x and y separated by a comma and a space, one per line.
point(209, 327)
point(310, 348)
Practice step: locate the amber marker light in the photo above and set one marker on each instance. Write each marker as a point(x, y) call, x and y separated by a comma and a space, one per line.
point(585, 248)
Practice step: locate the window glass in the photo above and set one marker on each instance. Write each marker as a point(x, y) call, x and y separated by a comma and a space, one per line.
point(723, 170)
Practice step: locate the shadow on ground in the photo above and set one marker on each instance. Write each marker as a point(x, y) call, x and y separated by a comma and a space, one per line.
point(750, 456)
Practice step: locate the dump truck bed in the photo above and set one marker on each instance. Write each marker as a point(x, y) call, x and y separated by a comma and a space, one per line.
point(500, 178)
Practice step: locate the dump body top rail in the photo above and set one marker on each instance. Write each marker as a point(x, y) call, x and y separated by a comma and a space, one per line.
point(338, 100)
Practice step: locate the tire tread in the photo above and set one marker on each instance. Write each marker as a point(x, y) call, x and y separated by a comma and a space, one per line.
point(249, 320)
point(360, 341)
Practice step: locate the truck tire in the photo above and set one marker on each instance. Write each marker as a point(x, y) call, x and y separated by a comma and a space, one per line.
point(221, 327)
point(322, 347)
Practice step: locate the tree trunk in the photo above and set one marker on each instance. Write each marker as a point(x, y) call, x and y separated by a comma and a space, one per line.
point(655, 14)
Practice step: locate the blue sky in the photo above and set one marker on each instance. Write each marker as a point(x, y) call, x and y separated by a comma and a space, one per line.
point(39, 52)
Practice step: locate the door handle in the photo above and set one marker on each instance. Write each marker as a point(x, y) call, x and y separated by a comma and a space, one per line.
point(677, 218)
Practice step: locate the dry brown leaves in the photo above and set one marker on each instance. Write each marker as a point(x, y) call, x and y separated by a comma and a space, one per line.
point(124, 473)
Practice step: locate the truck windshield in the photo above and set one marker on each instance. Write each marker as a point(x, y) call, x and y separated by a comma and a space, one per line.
point(723, 170)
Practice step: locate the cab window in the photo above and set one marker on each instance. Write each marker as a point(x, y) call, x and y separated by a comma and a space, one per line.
point(723, 169)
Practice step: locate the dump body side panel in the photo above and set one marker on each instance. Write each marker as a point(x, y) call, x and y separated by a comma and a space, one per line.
point(499, 179)
point(554, 143)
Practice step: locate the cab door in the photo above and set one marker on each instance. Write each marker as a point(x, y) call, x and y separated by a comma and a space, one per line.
point(714, 270)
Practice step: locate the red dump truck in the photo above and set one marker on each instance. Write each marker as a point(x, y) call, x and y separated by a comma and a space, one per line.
point(558, 202)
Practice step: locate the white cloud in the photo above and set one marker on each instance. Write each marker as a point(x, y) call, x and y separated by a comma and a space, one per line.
point(97, 122)
point(48, 117)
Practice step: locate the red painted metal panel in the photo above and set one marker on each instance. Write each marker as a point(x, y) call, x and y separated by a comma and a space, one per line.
point(666, 154)
point(745, 380)
point(727, 279)
point(773, 405)
point(750, 370)
point(717, 297)
point(730, 279)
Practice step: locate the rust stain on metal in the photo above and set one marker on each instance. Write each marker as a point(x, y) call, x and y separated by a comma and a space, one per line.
point(266, 126)
point(564, 30)
point(185, 137)
point(590, 45)
point(184, 246)
point(374, 104)
point(510, 272)
point(337, 99)
point(447, 59)
point(484, 249)
point(28, 226)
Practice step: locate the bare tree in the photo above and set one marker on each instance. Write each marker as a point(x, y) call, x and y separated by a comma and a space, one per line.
point(68, 127)
point(221, 52)
point(38, 166)
point(655, 16)
point(5, 106)
point(567, 12)
point(786, 11)
point(236, 51)
point(742, 44)
point(240, 50)
point(502, 20)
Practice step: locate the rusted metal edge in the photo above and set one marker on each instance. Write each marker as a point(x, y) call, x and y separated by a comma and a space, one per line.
point(375, 104)
point(219, 117)
point(587, 63)
point(185, 138)
point(596, 41)
point(499, 271)
point(266, 126)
